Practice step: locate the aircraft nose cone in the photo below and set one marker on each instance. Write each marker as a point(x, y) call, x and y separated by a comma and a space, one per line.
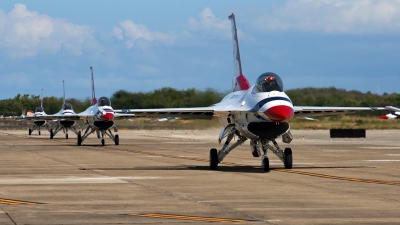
point(280, 113)
point(384, 117)
point(108, 116)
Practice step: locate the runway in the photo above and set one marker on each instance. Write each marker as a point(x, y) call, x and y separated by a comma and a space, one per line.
point(163, 177)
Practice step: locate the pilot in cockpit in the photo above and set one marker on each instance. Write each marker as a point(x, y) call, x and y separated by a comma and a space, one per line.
point(39, 109)
point(269, 82)
point(67, 106)
point(103, 102)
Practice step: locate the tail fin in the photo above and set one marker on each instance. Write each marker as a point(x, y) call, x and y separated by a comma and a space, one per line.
point(63, 93)
point(94, 99)
point(41, 99)
point(239, 81)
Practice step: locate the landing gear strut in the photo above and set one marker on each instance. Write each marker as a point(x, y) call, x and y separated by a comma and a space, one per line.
point(101, 133)
point(256, 144)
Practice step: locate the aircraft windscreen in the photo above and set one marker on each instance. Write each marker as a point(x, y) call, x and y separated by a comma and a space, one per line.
point(38, 109)
point(67, 106)
point(104, 101)
point(267, 82)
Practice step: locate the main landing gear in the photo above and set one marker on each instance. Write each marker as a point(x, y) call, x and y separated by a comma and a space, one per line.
point(101, 129)
point(65, 126)
point(217, 156)
point(37, 125)
point(79, 138)
point(213, 159)
point(256, 144)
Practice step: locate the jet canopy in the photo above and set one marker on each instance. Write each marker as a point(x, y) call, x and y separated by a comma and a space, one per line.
point(38, 109)
point(67, 106)
point(104, 101)
point(267, 82)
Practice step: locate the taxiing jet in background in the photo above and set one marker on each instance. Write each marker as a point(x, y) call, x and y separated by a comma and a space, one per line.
point(259, 113)
point(65, 124)
point(393, 115)
point(38, 124)
point(99, 118)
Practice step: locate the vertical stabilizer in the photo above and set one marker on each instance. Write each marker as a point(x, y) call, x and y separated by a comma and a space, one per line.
point(239, 81)
point(94, 100)
point(41, 99)
point(63, 93)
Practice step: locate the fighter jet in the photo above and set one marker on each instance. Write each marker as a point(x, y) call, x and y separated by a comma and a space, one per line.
point(65, 124)
point(260, 113)
point(99, 118)
point(38, 124)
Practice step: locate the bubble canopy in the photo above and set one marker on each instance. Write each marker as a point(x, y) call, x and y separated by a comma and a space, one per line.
point(104, 101)
point(38, 109)
point(267, 82)
point(67, 106)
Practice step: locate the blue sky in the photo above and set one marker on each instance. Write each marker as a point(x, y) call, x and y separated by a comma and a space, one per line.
point(147, 45)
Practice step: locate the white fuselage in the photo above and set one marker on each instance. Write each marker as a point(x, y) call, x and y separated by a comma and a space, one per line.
point(65, 112)
point(254, 104)
point(99, 113)
point(264, 110)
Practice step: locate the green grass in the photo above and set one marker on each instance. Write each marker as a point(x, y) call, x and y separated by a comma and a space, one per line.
point(145, 124)
point(345, 122)
point(324, 123)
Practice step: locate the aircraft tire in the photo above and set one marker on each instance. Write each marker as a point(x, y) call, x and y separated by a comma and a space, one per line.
point(66, 136)
point(79, 138)
point(116, 140)
point(288, 158)
point(30, 131)
point(265, 164)
point(102, 142)
point(51, 134)
point(39, 132)
point(213, 159)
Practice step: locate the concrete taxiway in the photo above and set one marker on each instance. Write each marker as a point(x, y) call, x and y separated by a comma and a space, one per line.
point(163, 177)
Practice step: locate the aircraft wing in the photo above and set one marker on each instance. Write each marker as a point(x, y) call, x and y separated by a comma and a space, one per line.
point(302, 112)
point(53, 117)
point(392, 108)
point(306, 111)
point(182, 113)
point(124, 116)
point(75, 116)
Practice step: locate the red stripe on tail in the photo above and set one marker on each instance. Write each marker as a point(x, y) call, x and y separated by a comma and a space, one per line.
point(242, 82)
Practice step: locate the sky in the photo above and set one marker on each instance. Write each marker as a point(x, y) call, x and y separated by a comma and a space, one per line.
point(141, 46)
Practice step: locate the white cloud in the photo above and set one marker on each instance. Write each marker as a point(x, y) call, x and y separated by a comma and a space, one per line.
point(358, 16)
point(25, 33)
point(208, 25)
point(207, 21)
point(133, 34)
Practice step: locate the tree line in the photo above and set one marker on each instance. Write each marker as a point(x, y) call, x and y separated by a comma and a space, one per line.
point(173, 98)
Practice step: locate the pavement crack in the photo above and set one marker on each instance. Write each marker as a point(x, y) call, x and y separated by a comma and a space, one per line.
point(8, 215)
